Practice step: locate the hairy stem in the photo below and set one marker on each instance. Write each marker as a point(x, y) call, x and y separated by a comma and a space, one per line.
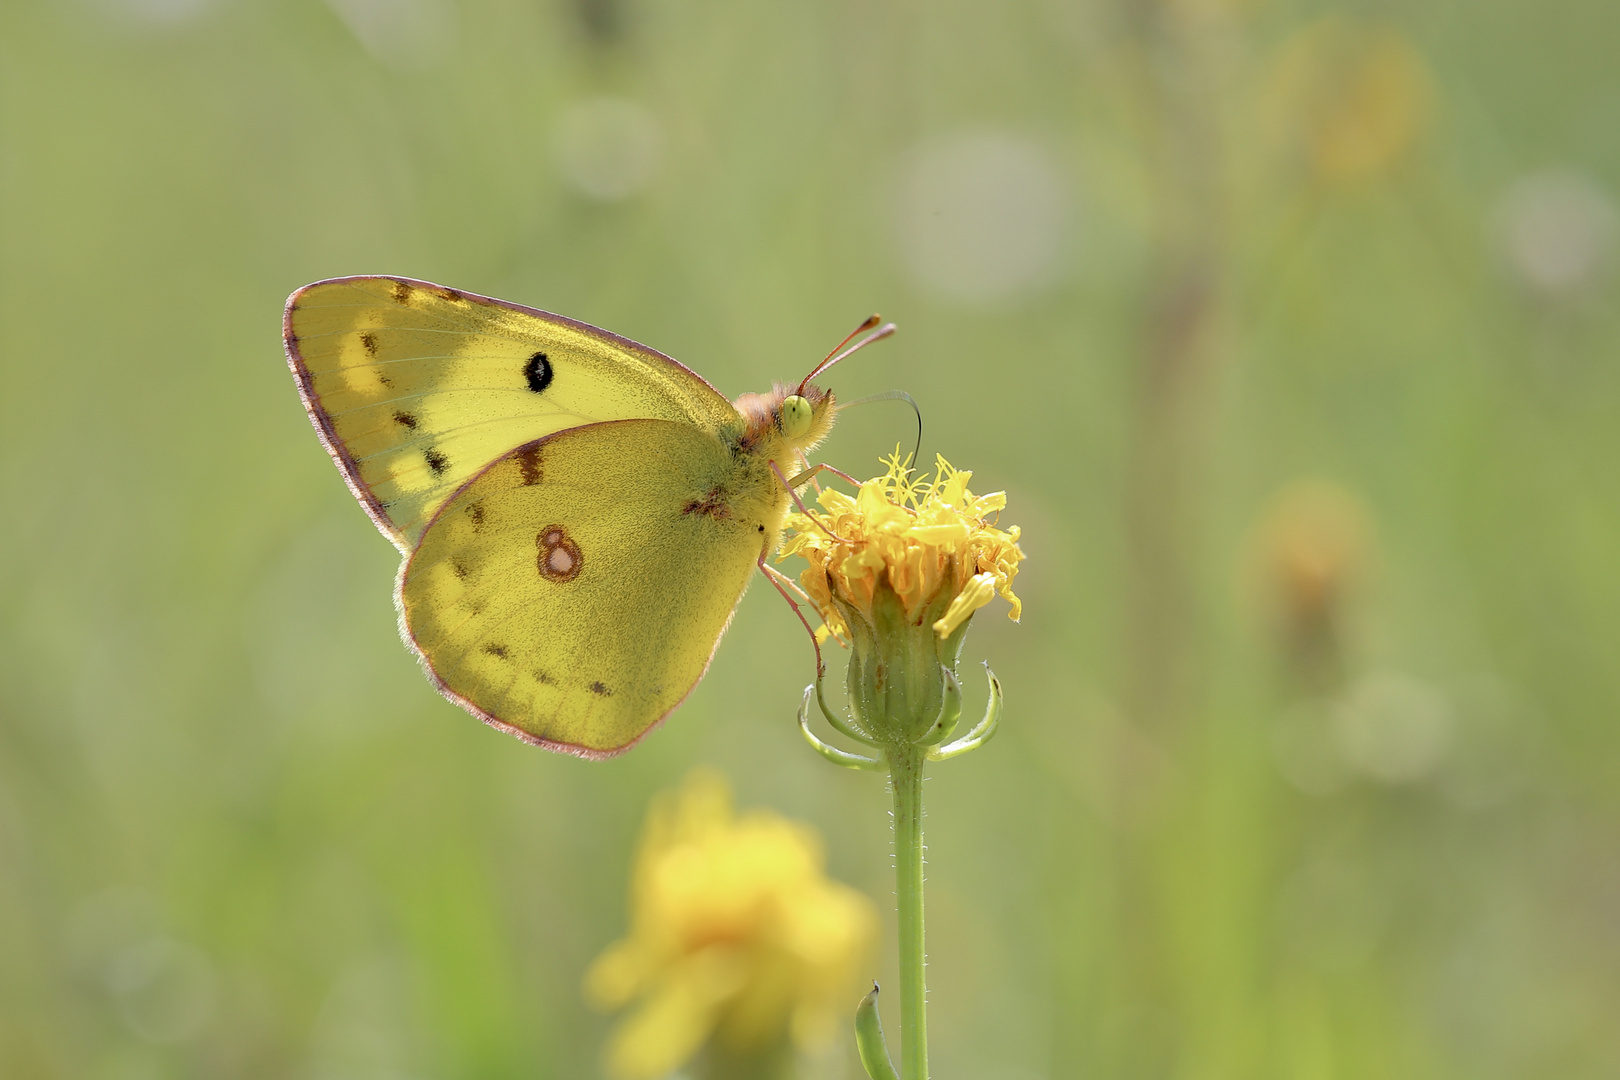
point(906, 777)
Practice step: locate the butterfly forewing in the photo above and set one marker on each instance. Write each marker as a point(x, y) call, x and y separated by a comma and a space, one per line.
point(574, 591)
point(416, 387)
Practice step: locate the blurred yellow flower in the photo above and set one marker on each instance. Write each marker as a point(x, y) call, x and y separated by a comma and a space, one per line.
point(929, 541)
point(1356, 99)
point(738, 939)
point(1315, 542)
point(1315, 538)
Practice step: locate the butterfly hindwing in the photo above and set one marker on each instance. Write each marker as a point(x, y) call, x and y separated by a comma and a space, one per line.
point(575, 590)
point(416, 387)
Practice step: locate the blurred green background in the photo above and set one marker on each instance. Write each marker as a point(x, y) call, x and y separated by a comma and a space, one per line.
point(1288, 327)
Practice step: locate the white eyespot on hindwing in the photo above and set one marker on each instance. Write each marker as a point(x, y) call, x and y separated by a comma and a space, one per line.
point(558, 557)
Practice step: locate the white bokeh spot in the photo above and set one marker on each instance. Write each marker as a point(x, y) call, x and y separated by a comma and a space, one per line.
point(1393, 728)
point(983, 217)
point(608, 148)
point(401, 33)
point(1557, 231)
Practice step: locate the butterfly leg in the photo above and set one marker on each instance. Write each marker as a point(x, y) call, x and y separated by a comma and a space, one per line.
point(810, 472)
point(804, 462)
point(803, 509)
point(782, 583)
point(775, 577)
point(785, 582)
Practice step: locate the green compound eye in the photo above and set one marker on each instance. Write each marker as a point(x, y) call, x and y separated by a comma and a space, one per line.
point(796, 416)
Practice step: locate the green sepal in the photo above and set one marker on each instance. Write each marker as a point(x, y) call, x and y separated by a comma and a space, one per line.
point(949, 714)
point(838, 757)
point(899, 670)
point(840, 724)
point(869, 1039)
point(982, 731)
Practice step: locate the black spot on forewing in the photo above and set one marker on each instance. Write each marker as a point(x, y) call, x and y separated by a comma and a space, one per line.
point(600, 689)
point(538, 373)
point(529, 464)
point(475, 514)
point(451, 295)
point(401, 293)
point(369, 340)
point(497, 651)
point(459, 568)
point(436, 461)
point(544, 677)
point(405, 420)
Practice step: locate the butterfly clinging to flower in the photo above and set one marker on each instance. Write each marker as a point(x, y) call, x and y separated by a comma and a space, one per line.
point(578, 514)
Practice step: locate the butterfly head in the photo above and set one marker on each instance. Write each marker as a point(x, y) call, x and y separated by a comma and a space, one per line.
point(804, 415)
point(800, 417)
point(789, 420)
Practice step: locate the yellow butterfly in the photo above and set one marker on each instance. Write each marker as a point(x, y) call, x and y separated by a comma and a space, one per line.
point(579, 514)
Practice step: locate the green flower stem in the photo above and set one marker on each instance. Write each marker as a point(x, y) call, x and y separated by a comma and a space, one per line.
point(906, 778)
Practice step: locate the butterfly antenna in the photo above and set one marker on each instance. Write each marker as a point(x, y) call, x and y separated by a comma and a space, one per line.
point(833, 357)
point(867, 324)
point(895, 395)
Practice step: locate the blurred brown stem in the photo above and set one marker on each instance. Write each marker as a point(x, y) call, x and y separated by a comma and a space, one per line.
point(1174, 384)
point(1178, 354)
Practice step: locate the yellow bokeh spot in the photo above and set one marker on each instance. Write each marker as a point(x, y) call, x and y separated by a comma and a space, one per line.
point(1315, 541)
point(1355, 99)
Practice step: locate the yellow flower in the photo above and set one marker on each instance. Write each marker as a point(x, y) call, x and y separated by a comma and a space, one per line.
point(924, 539)
point(738, 939)
point(897, 571)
